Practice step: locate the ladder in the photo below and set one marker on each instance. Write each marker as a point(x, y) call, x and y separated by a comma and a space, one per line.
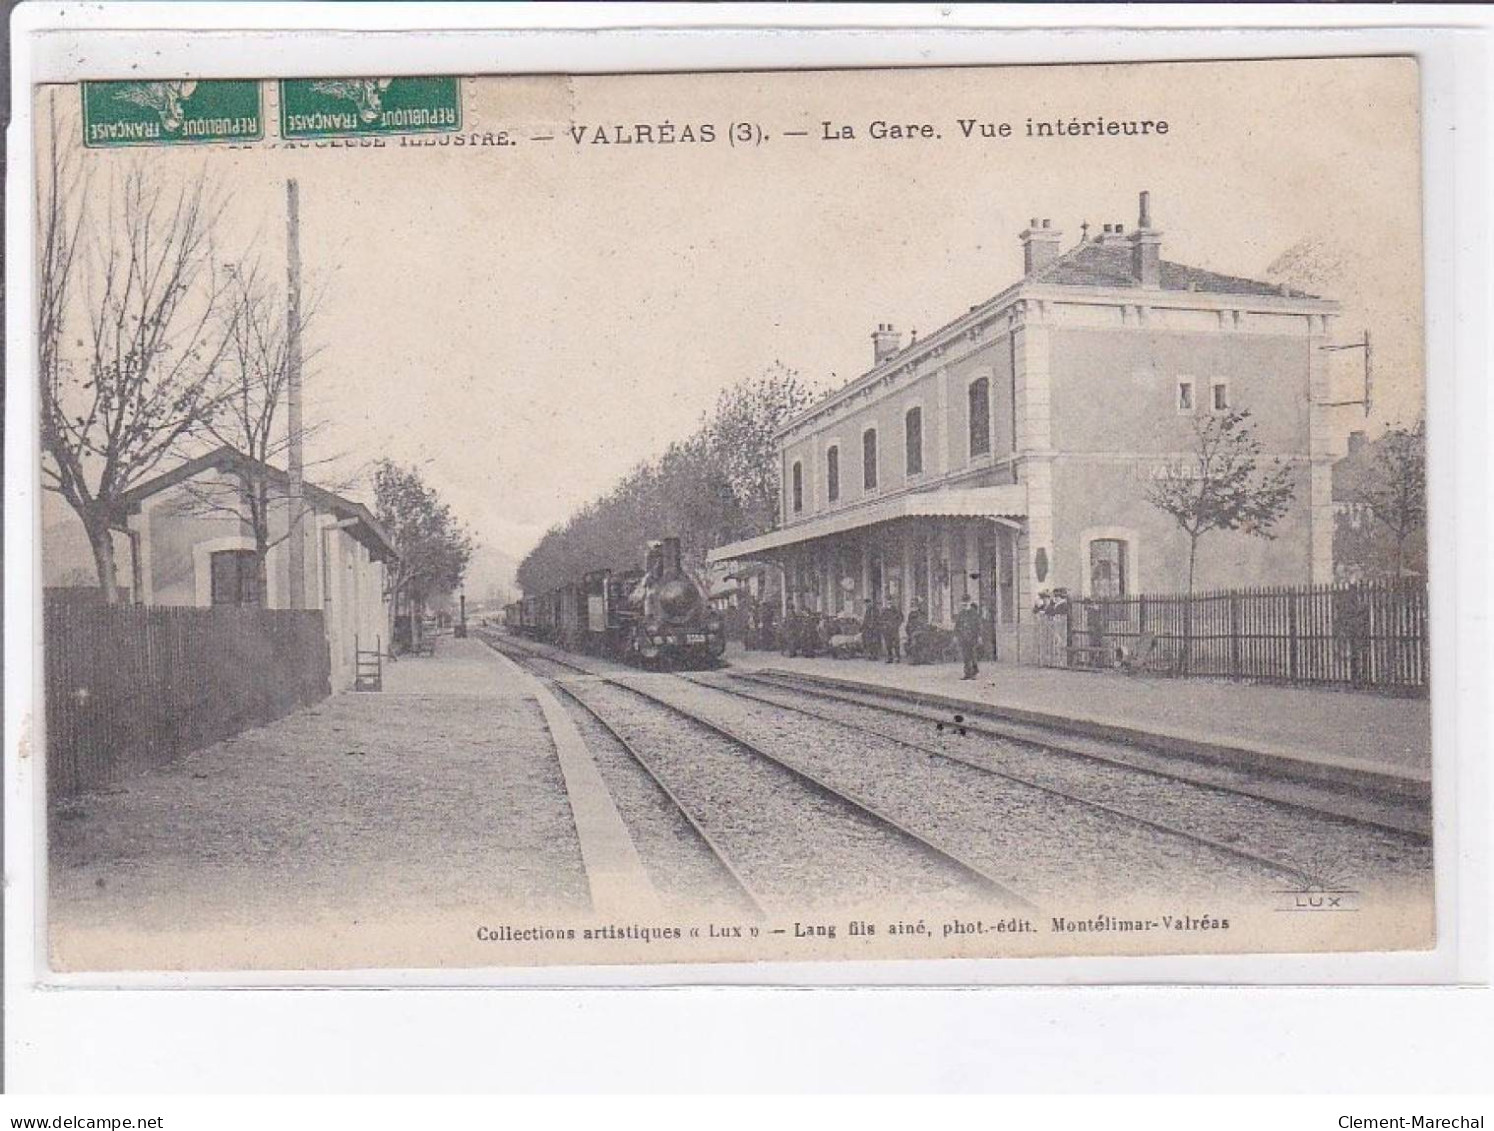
point(369, 666)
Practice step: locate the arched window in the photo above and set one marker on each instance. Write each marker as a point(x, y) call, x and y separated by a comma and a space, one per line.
point(980, 417)
point(913, 440)
point(1107, 567)
point(798, 487)
point(869, 459)
point(832, 473)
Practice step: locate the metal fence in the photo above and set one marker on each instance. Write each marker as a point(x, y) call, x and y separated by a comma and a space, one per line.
point(131, 687)
point(1371, 635)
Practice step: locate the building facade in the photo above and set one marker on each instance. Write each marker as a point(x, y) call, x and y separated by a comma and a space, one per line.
point(1010, 451)
point(192, 546)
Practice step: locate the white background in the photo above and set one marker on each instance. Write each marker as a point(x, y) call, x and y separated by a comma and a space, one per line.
point(1033, 1038)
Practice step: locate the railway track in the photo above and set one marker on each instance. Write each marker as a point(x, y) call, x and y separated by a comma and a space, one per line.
point(703, 835)
point(1213, 810)
point(942, 856)
point(1390, 815)
point(1289, 872)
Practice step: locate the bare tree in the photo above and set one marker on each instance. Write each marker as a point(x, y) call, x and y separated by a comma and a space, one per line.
point(58, 204)
point(139, 380)
point(1223, 485)
point(253, 374)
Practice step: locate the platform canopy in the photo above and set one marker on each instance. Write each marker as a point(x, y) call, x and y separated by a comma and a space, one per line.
point(1007, 502)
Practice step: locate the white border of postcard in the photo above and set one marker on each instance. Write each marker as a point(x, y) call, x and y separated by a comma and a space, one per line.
point(63, 41)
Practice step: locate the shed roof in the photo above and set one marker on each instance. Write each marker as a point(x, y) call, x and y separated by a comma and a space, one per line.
point(365, 528)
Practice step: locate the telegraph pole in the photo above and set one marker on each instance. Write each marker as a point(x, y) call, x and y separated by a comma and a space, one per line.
point(295, 457)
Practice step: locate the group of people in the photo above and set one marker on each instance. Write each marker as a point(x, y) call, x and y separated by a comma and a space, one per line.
point(808, 633)
point(882, 630)
point(761, 629)
point(881, 633)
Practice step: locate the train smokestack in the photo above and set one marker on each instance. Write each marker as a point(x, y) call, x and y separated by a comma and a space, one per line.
point(669, 556)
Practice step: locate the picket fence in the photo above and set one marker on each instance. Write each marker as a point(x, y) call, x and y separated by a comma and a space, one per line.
point(130, 687)
point(1370, 635)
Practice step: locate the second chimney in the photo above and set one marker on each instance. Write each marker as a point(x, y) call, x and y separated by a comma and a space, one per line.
point(1146, 247)
point(1039, 246)
point(885, 342)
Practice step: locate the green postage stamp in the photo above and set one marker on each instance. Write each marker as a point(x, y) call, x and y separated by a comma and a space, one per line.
point(179, 112)
point(319, 108)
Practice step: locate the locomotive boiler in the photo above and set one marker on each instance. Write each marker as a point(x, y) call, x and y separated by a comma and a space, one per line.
point(657, 615)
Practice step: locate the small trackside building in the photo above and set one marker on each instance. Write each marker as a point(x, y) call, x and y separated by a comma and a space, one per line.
point(1010, 451)
point(192, 546)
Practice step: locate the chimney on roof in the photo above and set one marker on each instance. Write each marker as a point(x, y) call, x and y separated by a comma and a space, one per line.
point(1039, 245)
point(885, 342)
point(1356, 442)
point(1146, 247)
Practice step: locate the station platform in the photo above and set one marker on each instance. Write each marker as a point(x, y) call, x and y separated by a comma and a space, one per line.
point(1354, 737)
point(371, 829)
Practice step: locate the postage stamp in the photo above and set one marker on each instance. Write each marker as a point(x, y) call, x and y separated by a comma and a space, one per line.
point(171, 112)
point(557, 520)
point(316, 108)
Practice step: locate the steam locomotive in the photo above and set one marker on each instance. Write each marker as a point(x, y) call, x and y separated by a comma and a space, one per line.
point(657, 615)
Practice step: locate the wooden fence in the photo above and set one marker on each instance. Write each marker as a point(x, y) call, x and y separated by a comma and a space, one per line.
point(131, 687)
point(1371, 635)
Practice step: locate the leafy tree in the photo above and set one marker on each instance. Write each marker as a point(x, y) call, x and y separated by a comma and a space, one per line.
point(434, 547)
point(123, 390)
point(1223, 485)
point(1394, 492)
point(718, 484)
point(743, 435)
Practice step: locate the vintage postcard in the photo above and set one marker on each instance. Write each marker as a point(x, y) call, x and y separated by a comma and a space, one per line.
point(512, 521)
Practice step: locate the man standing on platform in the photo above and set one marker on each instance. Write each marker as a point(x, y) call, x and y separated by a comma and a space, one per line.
point(892, 630)
point(871, 630)
point(967, 631)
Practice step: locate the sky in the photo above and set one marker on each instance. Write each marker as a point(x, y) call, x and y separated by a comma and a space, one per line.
point(527, 322)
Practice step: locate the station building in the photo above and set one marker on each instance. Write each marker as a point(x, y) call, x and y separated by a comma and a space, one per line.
point(1010, 451)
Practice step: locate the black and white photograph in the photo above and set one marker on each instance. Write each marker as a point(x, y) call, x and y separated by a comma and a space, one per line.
point(509, 521)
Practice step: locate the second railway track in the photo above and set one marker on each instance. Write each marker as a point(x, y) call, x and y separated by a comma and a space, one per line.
point(1037, 818)
point(784, 834)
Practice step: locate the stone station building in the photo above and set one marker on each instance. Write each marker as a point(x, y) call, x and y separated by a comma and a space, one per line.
point(1009, 452)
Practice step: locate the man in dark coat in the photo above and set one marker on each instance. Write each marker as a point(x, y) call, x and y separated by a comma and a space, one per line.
point(871, 630)
point(767, 636)
point(967, 632)
point(892, 630)
point(918, 626)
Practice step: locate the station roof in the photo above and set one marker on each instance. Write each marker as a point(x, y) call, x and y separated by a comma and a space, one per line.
point(1004, 502)
point(1100, 264)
